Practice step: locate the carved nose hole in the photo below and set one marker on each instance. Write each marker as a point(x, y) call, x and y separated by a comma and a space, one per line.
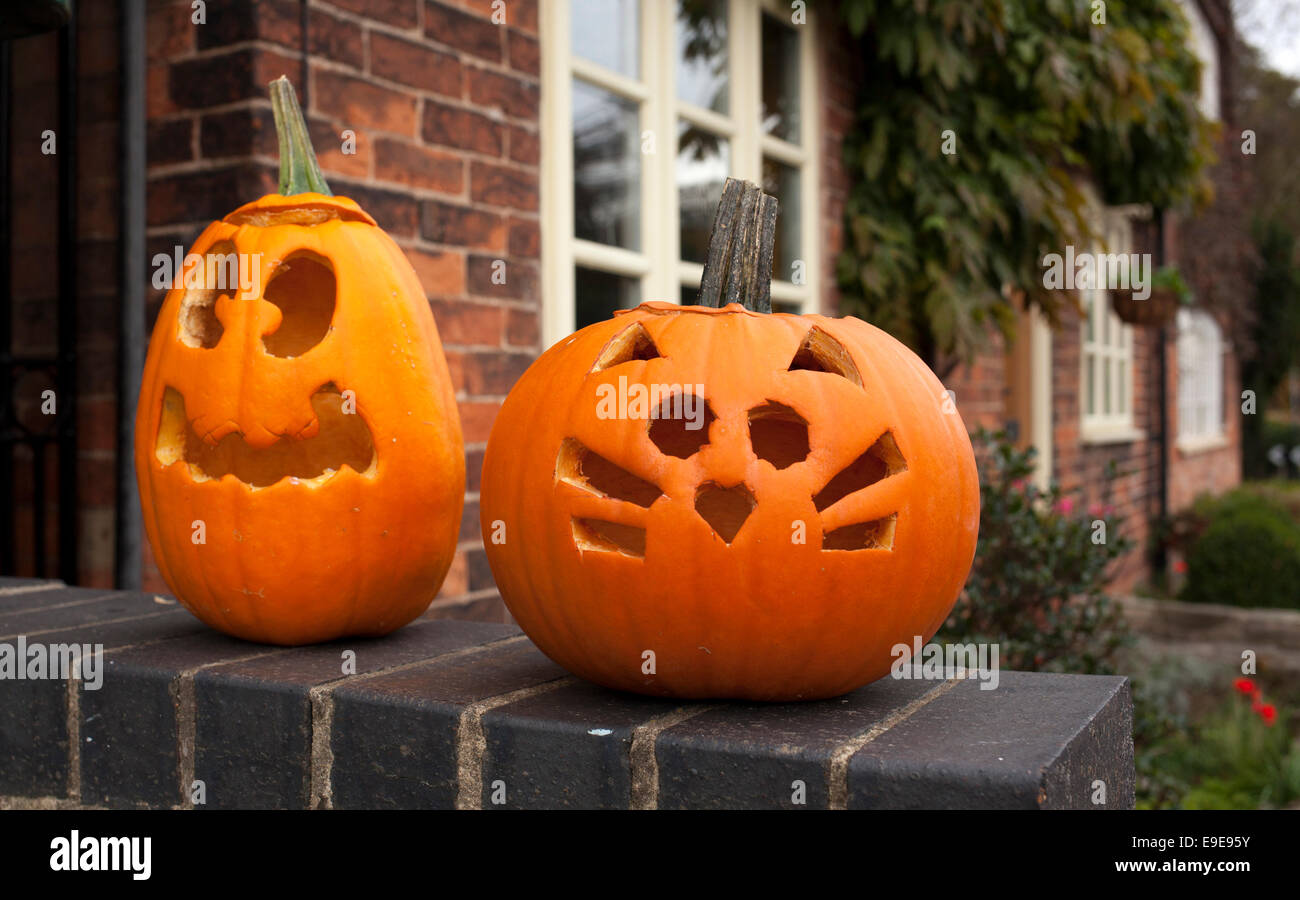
point(724, 508)
point(304, 288)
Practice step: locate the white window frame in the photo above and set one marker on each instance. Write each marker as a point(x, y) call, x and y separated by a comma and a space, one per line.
point(1201, 351)
point(658, 264)
point(1112, 342)
point(1206, 49)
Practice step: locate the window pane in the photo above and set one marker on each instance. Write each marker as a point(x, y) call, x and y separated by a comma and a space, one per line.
point(702, 53)
point(1090, 400)
point(1089, 313)
point(606, 32)
point(597, 294)
point(702, 160)
point(690, 295)
point(780, 80)
point(785, 306)
point(1123, 387)
point(1105, 385)
point(606, 168)
point(782, 182)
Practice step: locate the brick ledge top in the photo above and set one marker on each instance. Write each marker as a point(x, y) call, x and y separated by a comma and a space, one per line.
point(459, 714)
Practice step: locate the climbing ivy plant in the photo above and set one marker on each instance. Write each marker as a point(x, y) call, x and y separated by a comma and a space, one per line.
point(977, 122)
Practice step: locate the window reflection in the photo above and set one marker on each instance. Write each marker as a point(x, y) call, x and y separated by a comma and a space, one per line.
point(702, 162)
point(702, 53)
point(606, 168)
point(607, 32)
point(782, 182)
point(598, 294)
point(780, 80)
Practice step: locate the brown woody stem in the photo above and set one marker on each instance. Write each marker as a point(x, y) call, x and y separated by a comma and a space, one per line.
point(299, 170)
point(738, 267)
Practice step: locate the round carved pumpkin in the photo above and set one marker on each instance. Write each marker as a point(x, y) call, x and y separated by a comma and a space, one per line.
point(824, 510)
point(297, 444)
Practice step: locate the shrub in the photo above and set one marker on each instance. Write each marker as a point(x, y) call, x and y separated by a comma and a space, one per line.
point(1248, 555)
point(1037, 586)
point(1240, 757)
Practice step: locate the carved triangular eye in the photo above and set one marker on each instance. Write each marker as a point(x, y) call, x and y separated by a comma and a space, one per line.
point(881, 460)
point(633, 342)
point(820, 352)
point(304, 288)
point(584, 468)
point(874, 535)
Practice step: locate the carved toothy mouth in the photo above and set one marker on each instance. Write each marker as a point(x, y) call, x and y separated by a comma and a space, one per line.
point(343, 439)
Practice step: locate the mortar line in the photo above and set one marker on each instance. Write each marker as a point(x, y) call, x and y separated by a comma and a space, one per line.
point(471, 743)
point(837, 769)
point(642, 760)
point(30, 588)
point(320, 789)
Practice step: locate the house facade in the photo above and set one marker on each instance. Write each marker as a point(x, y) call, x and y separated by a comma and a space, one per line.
point(575, 147)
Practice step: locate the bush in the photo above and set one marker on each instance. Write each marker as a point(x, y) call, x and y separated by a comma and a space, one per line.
point(1037, 586)
point(1240, 757)
point(1248, 555)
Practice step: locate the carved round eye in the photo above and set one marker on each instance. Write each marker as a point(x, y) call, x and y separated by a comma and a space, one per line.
point(304, 288)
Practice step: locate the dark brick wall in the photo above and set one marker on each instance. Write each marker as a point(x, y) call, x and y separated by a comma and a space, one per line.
point(35, 266)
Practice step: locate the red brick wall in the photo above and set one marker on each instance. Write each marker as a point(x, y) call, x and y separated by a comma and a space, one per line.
point(837, 74)
point(444, 105)
point(1080, 467)
point(35, 264)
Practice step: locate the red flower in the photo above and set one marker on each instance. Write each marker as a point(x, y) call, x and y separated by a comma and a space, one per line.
point(1180, 566)
point(1065, 506)
point(1244, 686)
point(1267, 712)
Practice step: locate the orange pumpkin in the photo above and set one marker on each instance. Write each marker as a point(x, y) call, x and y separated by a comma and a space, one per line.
point(826, 510)
point(297, 444)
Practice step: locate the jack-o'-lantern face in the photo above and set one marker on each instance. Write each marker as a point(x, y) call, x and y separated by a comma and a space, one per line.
point(297, 444)
point(825, 508)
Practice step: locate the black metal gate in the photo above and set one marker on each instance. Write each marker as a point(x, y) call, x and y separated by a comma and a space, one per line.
point(36, 452)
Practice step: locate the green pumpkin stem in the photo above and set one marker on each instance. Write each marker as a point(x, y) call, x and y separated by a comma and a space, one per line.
point(299, 170)
point(738, 267)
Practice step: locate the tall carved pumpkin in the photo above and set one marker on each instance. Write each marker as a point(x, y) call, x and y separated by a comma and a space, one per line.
point(297, 444)
point(825, 509)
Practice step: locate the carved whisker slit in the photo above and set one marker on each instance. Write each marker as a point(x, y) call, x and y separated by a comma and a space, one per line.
point(874, 535)
point(601, 536)
point(584, 468)
point(881, 460)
